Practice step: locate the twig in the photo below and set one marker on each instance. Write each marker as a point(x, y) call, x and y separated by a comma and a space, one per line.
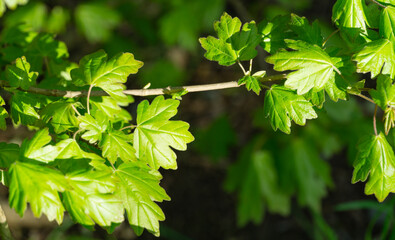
point(75, 134)
point(145, 92)
point(374, 120)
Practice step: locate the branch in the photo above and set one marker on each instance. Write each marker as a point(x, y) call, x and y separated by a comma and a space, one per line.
point(145, 92)
point(379, 4)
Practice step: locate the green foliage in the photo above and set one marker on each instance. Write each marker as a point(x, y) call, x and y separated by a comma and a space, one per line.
point(283, 105)
point(90, 158)
point(375, 160)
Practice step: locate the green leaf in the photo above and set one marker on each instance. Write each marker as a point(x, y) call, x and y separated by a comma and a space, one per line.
point(155, 134)
point(375, 160)
point(377, 56)
point(91, 199)
point(109, 107)
point(11, 4)
point(3, 115)
point(252, 83)
point(304, 173)
point(24, 108)
point(384, 96)
point(305, 31)
point(96, 70)
point(93, 127)
point(38, 186)
point(96, 21)
point(116, 144)
point(139, 188)
point(255, 177)
point(283, 105)
point(218, 50)
point(9, 153)
point(316, 98)
point(273, 33)
point(19, 75)
point(314, 67)
point(234, 44)
point(387, 23)
point(61, 114)
point(350, 14)
point(37, 148)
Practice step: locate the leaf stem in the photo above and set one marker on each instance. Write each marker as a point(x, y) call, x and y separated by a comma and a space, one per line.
point(87, 98)
point(75, 110)
point(374, 120)
point(75, 134)
point(379, 4)
point(242, 68)
point(331, 35)
point(364, 97)
point(131, 126)
point(250, 69)
point(145, 92)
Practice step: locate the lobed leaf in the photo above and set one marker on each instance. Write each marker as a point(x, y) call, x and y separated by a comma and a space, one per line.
point(139, 188)
point(38, 186)
point(375, 160)
point(314, 67)
point(96, 70)
point(38, 149)
point(375, 57)
point(387, 23)
point(155, 134)
point(116, 144)
point(19, 75)
point(61, 114)
point(283, 105)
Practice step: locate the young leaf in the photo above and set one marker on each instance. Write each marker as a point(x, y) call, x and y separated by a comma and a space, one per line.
point(61, 114)
point(96, 70)
point(109, 107)
point(9, 153)
point(350, 14)
point(377, 56)
point(36, 148)
point(314, 67)
point(38, 186)
point(155, 134)
point(116, 144)
point(252, 83)
point(387, 23)
point(139, 188)
point(91, 200)
point(233, 43)
point(283, 105)
point(375, 160)
point(19, 75)
point(93, 127)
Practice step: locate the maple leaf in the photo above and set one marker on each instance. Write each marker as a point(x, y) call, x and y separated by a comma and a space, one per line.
point(375, 160)
point(375, 57)
point(155, 134)
point(314, 67)
point(283, 105)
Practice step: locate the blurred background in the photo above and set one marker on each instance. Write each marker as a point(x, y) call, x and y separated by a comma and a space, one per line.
point(239, 179)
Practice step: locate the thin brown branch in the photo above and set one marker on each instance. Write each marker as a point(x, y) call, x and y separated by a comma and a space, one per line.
point(146, 92)
point(364, 97)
